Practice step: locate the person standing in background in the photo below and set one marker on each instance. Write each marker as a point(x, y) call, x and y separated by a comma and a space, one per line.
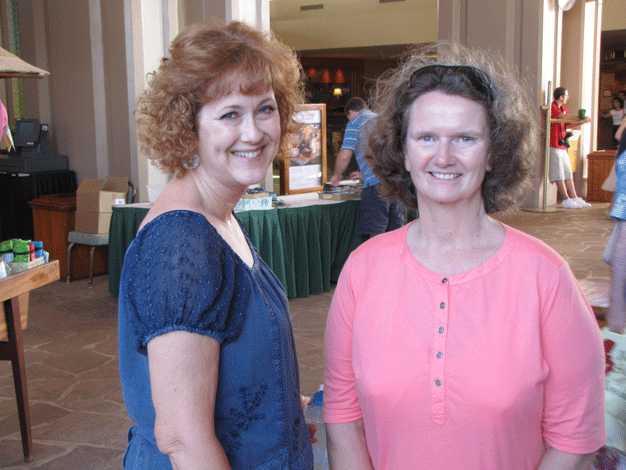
point(560, 168)
point(616, 318)
point(616, 114)
point(375, 214)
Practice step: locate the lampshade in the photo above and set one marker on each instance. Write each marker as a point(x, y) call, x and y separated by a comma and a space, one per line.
point(326, 76)
point(339, 78)
point(337, 92)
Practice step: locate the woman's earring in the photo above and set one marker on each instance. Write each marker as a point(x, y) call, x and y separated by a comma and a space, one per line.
point(193, 165)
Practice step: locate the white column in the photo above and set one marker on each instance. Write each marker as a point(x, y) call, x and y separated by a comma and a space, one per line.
point(579, 72)
point(99, 98)
point(153, 24)
point(255, 13)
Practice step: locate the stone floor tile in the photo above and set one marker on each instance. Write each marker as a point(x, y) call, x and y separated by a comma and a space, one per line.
point(40, 414)
point(12, 457)
point(77, 361)
point(87, 428)
point(85, 458)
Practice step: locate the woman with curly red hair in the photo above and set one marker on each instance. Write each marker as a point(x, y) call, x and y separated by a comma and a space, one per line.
point(207, 356)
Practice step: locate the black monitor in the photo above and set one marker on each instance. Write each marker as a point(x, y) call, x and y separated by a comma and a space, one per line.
point(26, 133)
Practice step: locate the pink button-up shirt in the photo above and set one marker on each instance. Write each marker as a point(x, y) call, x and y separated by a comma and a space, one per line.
point(469, 371)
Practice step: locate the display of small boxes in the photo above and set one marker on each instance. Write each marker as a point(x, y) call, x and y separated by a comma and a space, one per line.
point(19, 267)
point(254, 202)
point(341, 193)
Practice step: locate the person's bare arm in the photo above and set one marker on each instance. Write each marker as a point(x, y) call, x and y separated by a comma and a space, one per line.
point(616, 317)
point(347, 449)
point(183, 377)
point(620, 129)
point(341, 163)
point(604, 115)
point(555, 459)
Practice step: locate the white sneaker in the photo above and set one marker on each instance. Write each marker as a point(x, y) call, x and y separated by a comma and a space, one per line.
point(581, 202)
point(571, 204)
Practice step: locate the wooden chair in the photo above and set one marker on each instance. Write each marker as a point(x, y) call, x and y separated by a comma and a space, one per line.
point(83, 238)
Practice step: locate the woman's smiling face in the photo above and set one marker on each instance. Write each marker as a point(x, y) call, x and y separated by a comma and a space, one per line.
point(238, 137)
point(447, 148)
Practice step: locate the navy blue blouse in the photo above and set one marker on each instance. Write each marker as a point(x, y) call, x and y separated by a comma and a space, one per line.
point(180, 274)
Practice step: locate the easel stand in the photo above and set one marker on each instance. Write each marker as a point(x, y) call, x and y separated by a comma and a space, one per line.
point(546, 159)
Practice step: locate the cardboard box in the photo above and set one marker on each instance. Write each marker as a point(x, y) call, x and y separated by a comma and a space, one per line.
point(92, 222)
point(101, 195)
point(95, 200)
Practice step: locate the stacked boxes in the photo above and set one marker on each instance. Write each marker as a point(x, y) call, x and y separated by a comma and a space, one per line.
point(95, 200)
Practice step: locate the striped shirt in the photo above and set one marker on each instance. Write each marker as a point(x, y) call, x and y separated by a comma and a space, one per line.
point(355, 139)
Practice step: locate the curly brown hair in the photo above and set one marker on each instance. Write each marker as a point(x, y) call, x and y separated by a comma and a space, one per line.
point(207, 61)
point(476, 75)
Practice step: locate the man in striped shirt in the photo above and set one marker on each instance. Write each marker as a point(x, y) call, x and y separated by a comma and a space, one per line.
point(375, 214)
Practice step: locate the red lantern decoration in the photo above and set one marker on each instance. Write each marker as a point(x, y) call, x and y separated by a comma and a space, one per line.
point(326, 76)
point(339, 78)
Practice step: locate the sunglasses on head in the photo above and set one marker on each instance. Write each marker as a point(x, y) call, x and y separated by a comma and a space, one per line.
point(477, 78)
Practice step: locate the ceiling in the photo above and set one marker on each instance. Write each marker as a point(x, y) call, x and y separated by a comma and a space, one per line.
point(369, 52)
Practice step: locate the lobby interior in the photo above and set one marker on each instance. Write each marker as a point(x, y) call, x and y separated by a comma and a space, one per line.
point(77, 411)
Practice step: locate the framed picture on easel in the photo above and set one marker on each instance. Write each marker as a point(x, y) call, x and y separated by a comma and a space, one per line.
point(303, 169)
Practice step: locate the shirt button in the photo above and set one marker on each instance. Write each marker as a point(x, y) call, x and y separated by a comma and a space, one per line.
point(438, 383)
point(440, 330)
point(442, 305)
point(444, 280)
point(439, 354)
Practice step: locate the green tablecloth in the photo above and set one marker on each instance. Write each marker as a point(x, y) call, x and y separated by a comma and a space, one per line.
point(305, 247)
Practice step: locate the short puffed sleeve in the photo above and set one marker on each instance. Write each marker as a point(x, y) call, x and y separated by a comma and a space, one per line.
point(180, 274)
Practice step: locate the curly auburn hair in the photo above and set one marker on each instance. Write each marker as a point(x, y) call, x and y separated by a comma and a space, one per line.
point(473, 74)
point(209, 60)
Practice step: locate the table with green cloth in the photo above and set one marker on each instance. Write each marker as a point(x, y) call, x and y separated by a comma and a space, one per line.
point(305, 243)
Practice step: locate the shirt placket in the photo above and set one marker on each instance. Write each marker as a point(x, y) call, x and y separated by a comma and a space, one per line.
point(437, 371)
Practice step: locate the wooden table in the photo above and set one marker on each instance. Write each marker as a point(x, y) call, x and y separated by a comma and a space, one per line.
point(600, 163)
point(11, 288)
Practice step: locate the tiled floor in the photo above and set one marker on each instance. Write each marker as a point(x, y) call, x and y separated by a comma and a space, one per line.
point(78, 415)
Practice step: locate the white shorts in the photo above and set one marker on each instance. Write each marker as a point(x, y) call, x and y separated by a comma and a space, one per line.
point(560, 167)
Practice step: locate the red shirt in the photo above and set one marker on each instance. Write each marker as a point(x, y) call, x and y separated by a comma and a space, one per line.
point(557, 129)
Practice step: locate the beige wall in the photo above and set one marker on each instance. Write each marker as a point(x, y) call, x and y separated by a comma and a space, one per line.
point(85, 99)
point(73, 126)
point(354, 23)
point(613, 15)
point(118, 85)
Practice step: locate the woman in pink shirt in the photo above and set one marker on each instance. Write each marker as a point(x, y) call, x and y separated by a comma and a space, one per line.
point(456, 341)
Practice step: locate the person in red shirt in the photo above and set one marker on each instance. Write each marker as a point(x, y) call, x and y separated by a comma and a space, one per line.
point(560, 167)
